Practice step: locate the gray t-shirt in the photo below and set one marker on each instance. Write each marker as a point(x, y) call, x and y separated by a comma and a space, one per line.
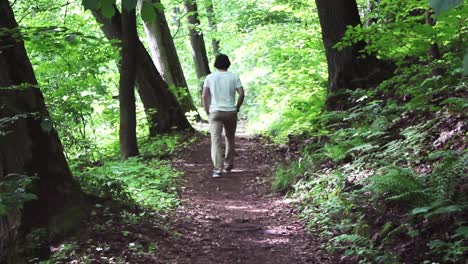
point(223, 86)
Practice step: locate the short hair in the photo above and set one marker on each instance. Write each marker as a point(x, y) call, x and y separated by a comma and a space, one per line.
point(222, 62)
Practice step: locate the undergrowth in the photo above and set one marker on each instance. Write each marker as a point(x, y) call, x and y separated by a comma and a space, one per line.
point(147, 181)
point(128, 198)
point(387, 182)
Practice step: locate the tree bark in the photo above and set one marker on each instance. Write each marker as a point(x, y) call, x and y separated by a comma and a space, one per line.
point(434, 51)
point(161, 106)
point(211, 22)
point(29, 145)
point(346, 69)
point(197, 40)
point(127, 134)
point(165, 56)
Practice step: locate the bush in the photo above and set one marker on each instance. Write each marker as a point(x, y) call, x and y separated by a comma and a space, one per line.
point(149, 183)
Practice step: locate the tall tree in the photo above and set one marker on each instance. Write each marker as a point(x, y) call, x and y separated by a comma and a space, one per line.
point(346, 68)
point(30, 146)
point(160, 104)
point(211, 22)
point(434, 51)
point(164, 53)
point(128, 139)
point(197, 40)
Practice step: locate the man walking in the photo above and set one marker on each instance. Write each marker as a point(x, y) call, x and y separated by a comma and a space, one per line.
point(219, 92)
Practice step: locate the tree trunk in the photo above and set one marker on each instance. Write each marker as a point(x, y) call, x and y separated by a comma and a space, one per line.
point(197, 41)
point(211, 22)
point(127, 134)
point(165, 56)
point(434, 51)
point(29, 145)
point(346, 70)
point(161, 106)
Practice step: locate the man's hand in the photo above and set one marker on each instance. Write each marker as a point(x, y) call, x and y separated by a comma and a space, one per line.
point(240, 100)
point(206, 100)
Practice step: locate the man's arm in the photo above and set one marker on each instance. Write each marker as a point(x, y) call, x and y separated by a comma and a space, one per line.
point(240, 100)
point(206, 99)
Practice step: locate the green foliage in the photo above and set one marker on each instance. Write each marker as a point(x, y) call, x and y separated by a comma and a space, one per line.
point(129, 5)
point(398, 153)
point(91, 4)
point(440, 6)
point(398, 185)
point(363, 247)
point(147, 181)
point(335, 152)
point(163, 146)
point(80, 81)
point(452, 252)
point(14, 193)
point(148, 13)
point(400, 32)
point(447, 172)
point(438, 208)
point(108, 7)
point(279, 53)
point(150, 183)
point(283, 180)
point(287, 175)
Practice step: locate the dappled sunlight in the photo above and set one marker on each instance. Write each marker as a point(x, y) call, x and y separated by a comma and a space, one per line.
point(242, 208)
point(271, 241)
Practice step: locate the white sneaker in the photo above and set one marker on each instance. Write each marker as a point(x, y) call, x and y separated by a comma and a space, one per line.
point(216, 174)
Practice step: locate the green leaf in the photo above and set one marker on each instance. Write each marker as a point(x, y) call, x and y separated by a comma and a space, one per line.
point(108, 8)
point(159, 6)
point(462, 231)
point(420, 210)
point(465, 64)
point(129, 5)
point(3, 209)
point(148, 13)
point(447, 210)
point(440, 6)
point(90, 4)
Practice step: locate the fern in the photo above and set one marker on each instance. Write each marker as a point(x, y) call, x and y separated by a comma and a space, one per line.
point(351, 239)
point(448, 172)
point(398, 184)
point(335, 152)
point(439, 207)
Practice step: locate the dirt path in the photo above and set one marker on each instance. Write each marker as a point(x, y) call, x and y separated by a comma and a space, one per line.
point(236, 219)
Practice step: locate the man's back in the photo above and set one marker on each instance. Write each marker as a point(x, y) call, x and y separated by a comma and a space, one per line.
point(223, 86)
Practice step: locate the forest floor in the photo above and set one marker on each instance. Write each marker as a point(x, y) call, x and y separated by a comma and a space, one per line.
point(236, 218)
point(232, 219)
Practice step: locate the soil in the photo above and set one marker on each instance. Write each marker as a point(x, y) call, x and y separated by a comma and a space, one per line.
point(236, 218)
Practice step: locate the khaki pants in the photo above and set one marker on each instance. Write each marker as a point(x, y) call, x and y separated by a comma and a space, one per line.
point(218, 120)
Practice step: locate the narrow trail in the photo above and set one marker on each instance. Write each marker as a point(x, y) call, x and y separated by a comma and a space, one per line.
point(236, 219)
